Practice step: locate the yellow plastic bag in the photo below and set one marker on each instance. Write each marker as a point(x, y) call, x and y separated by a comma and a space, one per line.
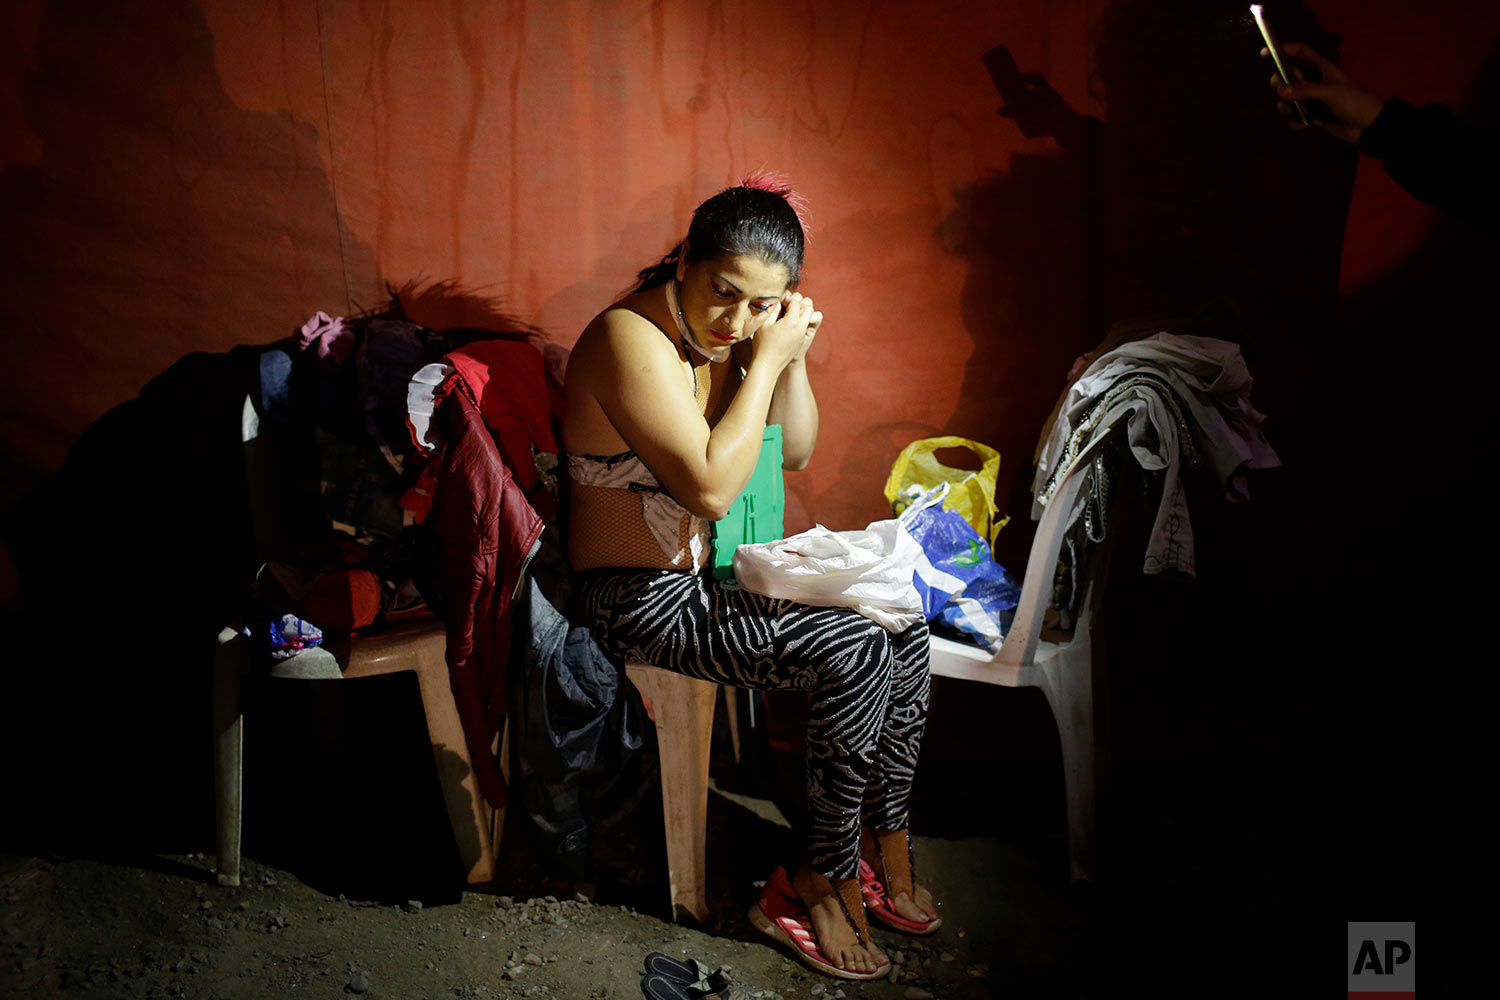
point(971, 493)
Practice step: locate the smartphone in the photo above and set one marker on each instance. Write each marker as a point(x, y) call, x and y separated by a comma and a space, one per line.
point(1278, 57)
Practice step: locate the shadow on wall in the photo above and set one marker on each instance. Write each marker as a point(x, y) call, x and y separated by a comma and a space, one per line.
point(160, 221)
point(159, 218)
point(448, 305)
point(1190, 189)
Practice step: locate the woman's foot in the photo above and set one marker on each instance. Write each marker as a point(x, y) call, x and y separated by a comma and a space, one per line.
point(839, 922)
point(806, 914)
point(888, 853)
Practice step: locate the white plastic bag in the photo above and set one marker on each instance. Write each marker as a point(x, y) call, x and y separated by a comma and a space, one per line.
point(868, 570)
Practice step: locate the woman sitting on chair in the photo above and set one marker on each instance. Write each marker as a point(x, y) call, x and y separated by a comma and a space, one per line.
point(669, 392)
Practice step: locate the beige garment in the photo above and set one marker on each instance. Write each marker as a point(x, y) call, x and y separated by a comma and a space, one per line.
point(1217, 319)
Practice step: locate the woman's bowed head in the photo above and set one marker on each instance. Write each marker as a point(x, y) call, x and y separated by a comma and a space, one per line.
point(737, 271)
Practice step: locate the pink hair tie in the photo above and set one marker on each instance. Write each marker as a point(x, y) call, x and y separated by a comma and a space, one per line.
point(777, 183)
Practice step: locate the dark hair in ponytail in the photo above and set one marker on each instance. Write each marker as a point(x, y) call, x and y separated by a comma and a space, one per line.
point(759, 218)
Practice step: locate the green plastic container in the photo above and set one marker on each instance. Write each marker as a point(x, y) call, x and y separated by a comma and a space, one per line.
point(756, 514)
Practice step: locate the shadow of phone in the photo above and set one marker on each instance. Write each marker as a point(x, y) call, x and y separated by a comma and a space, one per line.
point(1031, 102)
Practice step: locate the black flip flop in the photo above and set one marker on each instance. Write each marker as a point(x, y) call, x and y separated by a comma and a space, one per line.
point(667, 978)
point(655, 986)
point(668, 967)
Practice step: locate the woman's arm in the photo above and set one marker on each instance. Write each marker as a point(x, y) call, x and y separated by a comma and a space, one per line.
point(636, 376)
point(794, 407)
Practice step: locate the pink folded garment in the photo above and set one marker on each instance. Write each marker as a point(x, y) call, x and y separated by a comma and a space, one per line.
point(334, 341)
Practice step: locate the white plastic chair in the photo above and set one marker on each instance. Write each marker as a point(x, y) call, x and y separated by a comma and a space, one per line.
point(1065, 671)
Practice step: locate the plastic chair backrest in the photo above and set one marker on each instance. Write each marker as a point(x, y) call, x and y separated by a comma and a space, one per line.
point(1025, 632)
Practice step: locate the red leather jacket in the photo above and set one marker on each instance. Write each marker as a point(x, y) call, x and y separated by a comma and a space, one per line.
point(489, 533)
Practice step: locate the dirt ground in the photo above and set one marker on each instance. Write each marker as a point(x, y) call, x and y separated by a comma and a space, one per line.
point(164, 930)
point(159, 926)
point(1184, 876)
point(145, 922)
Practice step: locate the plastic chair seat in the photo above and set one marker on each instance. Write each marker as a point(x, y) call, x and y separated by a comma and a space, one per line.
point(418, 645)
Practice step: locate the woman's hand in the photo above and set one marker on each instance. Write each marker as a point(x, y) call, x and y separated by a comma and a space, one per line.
point(786, 339)
point(793, 405)
point(1353, 108)
point(813, 324)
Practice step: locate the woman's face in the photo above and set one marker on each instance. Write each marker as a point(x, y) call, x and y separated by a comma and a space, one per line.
point(727, 298)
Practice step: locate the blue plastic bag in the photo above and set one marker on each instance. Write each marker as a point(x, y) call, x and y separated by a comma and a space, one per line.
point(963, 589)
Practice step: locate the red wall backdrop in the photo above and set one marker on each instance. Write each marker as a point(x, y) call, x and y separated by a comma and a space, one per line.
point(186, 175)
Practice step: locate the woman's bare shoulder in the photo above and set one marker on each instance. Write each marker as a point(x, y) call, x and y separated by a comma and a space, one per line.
point(624, 333)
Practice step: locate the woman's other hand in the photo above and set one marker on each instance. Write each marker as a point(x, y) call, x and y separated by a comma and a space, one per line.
point(1352, 108)
point(793, 405)
point(814, 323)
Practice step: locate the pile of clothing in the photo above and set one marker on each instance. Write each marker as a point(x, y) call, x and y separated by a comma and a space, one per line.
point(1185, 401)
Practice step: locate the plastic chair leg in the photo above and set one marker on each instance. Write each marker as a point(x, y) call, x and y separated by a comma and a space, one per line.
point(732, 713)
point(229, 746)
point(419, 647)
point(683, 708)
point(1070, 693)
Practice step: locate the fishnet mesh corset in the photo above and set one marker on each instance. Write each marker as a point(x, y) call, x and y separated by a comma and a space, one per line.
point(608, 527)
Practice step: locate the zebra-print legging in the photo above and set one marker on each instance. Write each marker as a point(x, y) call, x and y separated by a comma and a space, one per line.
point(869, 687)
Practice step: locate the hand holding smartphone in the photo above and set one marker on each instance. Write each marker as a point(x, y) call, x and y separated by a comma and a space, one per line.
point(1322, 93)
point(1278, 56)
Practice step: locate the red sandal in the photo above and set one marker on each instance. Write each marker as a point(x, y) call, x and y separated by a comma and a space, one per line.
point(878, 901)
point(781, 914)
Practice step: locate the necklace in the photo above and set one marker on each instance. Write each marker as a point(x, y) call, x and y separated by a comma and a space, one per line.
point(687, 353)
point(689, 345)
